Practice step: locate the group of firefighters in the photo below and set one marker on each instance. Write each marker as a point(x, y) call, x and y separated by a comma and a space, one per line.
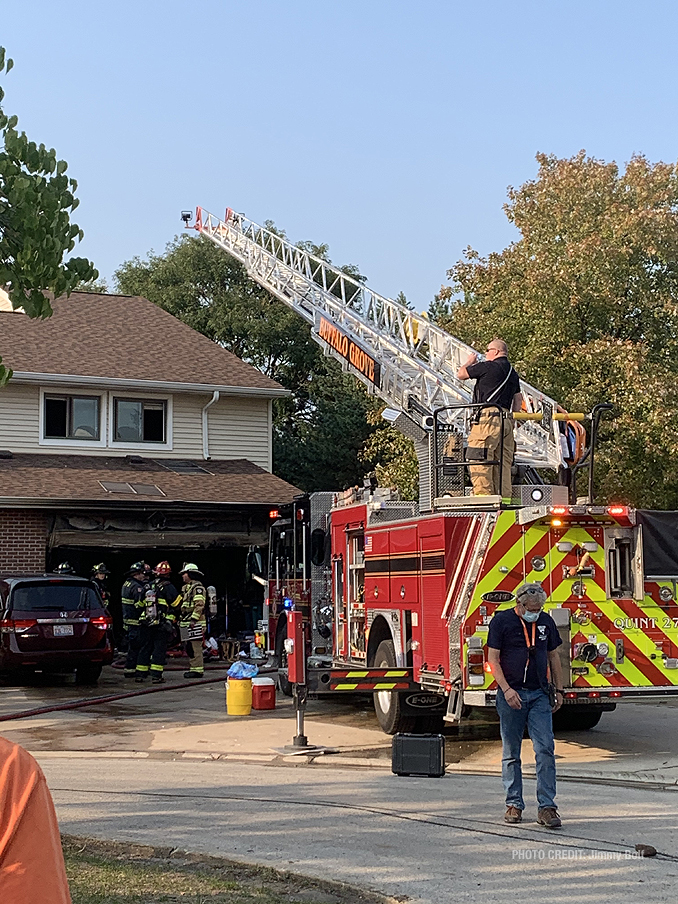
point(152, 609)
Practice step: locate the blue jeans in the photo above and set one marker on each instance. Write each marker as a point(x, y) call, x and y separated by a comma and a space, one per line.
point(536, 714)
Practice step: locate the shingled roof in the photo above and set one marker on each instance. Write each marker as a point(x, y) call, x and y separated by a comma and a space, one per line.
point(121, 337)
point(67, 479)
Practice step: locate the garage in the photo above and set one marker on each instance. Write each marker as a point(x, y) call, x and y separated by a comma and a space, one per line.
point(215, 514)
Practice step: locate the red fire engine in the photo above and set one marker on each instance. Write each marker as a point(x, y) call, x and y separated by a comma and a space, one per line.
point(397, 596)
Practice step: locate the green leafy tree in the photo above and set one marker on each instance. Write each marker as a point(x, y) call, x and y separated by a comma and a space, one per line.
point(586, 297)
point(390, 454)
point(319, 430)
point(36, 202)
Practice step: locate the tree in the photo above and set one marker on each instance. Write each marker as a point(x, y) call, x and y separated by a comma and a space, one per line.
point(36, 201)
point(587, 299)
point(319, 431)
point(392, 457)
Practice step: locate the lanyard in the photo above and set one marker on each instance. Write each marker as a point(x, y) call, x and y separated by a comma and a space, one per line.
point(527, 641)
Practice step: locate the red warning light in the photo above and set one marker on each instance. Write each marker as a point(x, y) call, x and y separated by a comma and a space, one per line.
point(617, 510)
point(559, 510)
point(274, 513)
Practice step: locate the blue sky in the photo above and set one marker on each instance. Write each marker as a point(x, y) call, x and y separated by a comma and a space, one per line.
point(389, 130)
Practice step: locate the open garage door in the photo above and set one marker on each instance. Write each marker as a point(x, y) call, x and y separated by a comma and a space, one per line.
point(225, 569)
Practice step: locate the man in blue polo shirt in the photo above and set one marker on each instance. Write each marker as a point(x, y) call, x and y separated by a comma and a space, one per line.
point(522, 647)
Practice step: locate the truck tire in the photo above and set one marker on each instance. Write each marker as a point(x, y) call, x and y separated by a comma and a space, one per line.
point(576, 718)
point(387, 706)
point(281, 661)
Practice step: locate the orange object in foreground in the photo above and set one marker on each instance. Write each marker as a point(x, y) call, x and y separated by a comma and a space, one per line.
point(31, 860)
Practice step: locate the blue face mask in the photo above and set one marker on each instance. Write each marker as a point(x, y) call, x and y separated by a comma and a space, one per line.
point(531, 616)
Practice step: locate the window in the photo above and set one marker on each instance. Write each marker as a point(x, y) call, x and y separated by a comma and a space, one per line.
point(71, 417)
point(139, 421)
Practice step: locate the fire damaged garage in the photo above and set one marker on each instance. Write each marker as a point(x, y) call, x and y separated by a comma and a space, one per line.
point(85, 511)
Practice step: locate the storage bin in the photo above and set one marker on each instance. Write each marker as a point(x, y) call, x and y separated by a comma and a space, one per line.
point(263, 693)
point(239, 696)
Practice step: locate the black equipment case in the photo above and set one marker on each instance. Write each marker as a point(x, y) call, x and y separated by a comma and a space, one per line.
point(418, 755)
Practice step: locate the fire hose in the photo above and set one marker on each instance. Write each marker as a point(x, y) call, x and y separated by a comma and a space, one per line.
point(110, 698)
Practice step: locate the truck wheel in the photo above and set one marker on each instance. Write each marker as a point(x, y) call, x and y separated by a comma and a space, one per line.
point(387, 704)
point(429, 724)
point(281, 660)
point(576, 718)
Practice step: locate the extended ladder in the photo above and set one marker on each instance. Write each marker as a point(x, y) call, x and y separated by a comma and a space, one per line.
point(400, 355)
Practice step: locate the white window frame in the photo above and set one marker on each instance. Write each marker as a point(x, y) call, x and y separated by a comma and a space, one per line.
point(67, 441)
point(139, 447)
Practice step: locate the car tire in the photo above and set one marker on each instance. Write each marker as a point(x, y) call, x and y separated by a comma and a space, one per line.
point(88, 674)
point(387, 704)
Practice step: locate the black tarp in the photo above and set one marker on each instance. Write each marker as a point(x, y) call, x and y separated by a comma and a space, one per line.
point(660, 543)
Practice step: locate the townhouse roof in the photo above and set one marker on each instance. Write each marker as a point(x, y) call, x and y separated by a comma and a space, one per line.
point(132, 481)
point(122, 340)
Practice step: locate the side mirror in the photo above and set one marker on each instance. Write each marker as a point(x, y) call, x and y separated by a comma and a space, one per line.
point(318, 546)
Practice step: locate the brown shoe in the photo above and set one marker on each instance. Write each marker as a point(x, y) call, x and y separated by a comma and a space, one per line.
point(513, 814)
point(548, 816)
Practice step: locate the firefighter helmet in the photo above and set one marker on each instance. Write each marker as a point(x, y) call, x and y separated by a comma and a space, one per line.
point(162, 568)
point(64, 568)
point(190, 568)
point(137, 567)
point(100, 569)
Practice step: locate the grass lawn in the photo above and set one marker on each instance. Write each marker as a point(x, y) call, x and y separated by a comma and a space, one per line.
point(102, 872)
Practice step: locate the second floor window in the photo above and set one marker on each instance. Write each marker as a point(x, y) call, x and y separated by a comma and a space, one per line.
point(71, 417)
point(139, 421)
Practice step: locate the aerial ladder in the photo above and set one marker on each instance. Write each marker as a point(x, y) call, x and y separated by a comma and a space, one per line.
point(408, 362)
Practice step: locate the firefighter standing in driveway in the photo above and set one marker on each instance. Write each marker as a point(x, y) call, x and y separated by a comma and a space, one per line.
point(133, 599)
point(99, 575)
point(497, 384)
point(159, 626)
point(193, 599)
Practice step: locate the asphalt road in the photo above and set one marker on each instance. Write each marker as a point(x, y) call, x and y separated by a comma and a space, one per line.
point(432, 840)
point(173, 768)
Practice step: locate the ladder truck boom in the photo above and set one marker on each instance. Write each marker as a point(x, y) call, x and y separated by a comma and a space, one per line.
point(403, 358)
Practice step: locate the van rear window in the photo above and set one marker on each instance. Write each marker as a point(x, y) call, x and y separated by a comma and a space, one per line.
point(64, 597)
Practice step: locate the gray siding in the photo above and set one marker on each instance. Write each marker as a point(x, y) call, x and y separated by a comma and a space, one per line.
point(19, 418)
point(239, 428)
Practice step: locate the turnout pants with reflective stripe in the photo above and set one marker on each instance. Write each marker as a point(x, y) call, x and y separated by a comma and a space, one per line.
point(153, 650)
point(486, 434)
point(194, 653)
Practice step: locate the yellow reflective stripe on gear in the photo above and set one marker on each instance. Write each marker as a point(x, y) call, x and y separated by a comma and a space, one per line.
point(346, 687)
point(356, 674)
point(384, 686)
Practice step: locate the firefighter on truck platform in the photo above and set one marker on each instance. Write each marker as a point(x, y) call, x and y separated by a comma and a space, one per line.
point(497, 384)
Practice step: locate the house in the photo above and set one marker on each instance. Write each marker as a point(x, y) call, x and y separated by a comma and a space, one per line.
point(126, 435)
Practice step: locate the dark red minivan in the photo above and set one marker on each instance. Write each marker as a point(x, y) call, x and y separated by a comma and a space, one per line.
point(53, 623)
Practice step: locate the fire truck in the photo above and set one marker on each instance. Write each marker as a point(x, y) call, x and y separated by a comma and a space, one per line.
point(397, 596)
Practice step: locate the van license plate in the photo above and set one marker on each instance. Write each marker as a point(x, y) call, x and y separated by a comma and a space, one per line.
point(63, 630)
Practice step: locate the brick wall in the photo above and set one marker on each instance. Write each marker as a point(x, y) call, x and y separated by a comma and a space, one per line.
point(23, 540)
